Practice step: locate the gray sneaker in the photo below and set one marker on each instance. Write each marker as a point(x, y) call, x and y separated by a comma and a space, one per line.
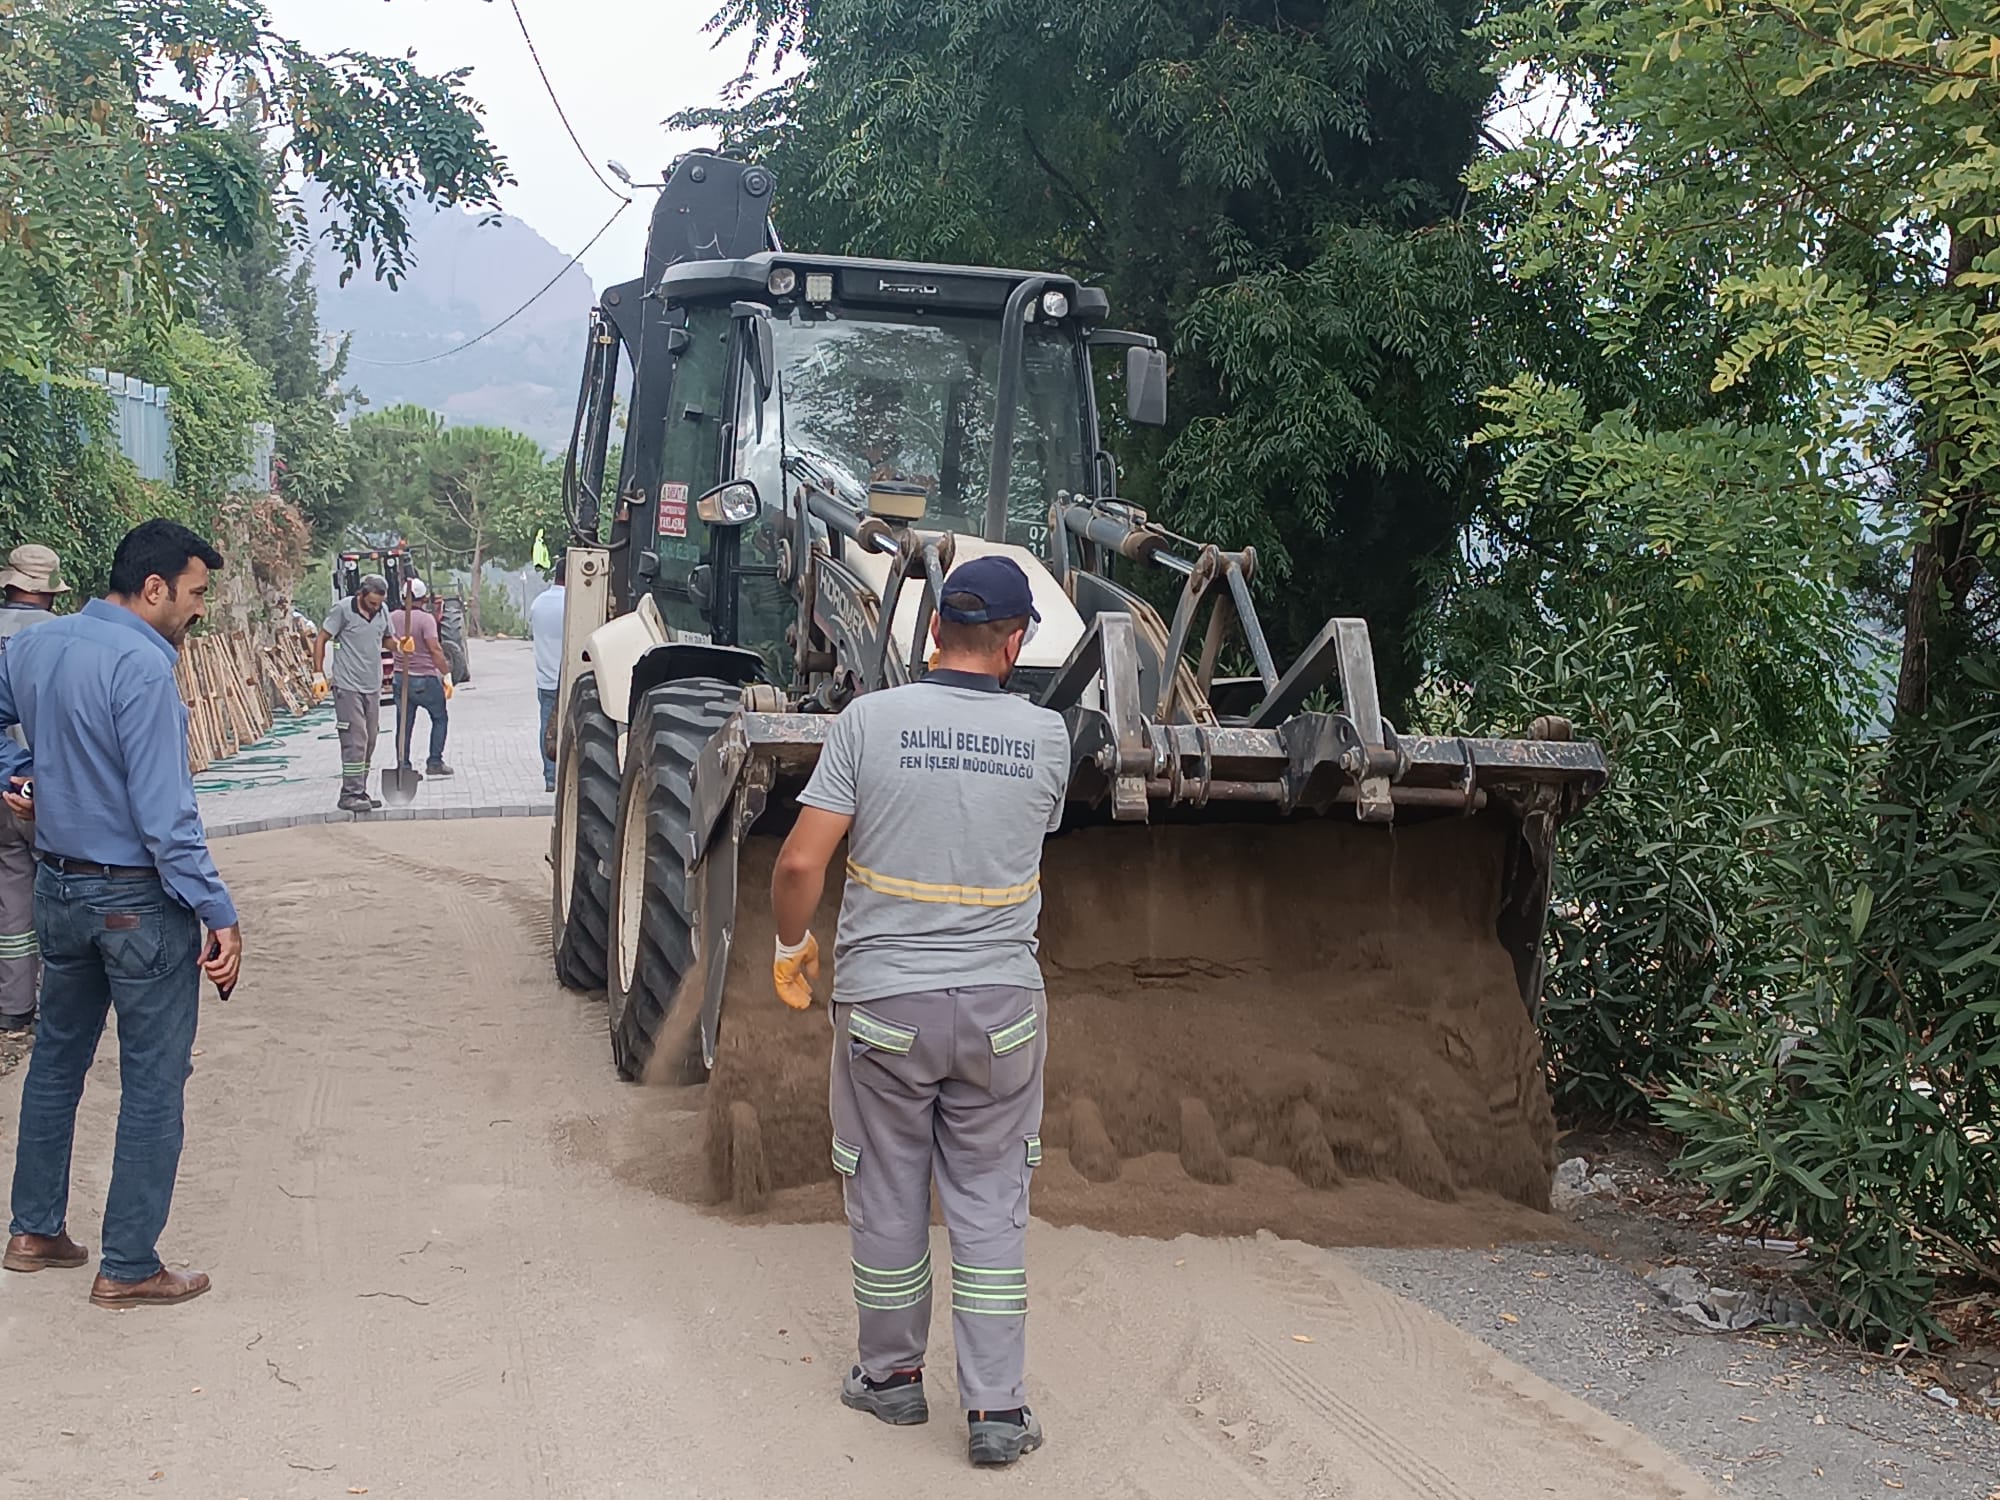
point(996, 1444)
point(899, 1405)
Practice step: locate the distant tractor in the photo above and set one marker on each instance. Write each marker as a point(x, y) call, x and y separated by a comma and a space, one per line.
point(400, 567)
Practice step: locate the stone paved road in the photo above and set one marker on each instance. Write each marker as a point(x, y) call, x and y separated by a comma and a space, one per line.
point(293, 777)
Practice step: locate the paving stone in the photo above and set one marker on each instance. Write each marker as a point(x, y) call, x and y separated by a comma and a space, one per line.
point(494, 747)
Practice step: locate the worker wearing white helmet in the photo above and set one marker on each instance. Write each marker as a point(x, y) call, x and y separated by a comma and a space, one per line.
point(420, 656)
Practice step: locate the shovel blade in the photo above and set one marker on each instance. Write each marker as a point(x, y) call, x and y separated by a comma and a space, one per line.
point(399, 788)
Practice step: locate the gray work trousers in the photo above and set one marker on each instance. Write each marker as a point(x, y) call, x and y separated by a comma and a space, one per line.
point(945, 1082)
point(358, 717)
point(20, 954)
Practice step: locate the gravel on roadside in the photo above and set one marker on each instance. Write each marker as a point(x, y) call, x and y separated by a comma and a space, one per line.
point(1777, 1415)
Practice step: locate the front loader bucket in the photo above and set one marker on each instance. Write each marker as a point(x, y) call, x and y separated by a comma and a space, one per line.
point(1310, 1025)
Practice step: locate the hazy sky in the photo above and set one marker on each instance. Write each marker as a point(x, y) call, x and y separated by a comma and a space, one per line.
point(619, 67)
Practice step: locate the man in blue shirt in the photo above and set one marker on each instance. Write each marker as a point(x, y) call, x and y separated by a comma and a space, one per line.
point(123, 889)
point(545, 624)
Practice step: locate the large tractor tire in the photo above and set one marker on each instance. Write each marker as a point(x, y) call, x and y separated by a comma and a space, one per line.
point(655, 1030)
point(586, 819)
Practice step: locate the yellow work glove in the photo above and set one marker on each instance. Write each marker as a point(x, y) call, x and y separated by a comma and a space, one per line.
point(407, 645)
point(794, 970)
point(318, 688)
point(447, 688)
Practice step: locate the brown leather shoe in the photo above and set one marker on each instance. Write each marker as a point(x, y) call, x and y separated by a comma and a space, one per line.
point(38, 1252)
point(161, 1289)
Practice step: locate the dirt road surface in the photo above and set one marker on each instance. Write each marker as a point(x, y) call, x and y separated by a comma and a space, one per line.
point(440, 1271)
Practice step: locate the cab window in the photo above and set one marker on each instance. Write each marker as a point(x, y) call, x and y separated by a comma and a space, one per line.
point(690, 462)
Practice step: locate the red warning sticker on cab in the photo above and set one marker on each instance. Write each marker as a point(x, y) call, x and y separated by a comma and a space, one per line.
point(673, 510)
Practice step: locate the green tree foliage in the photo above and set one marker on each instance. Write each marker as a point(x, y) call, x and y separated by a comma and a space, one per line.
point(118, 174)
point(1823, 174)
point(61, 487)
point(143, 145)
point(218, 393)
point(1858, 1106)
point(385, 472)
point(1691, 617)
point(1773, 228)
point(1275, 189)
point(262, 292)
point(464, 495)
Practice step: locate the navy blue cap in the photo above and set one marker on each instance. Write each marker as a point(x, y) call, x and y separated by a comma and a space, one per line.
point(999, 585)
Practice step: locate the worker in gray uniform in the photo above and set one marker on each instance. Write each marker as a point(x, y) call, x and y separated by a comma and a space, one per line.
point(358, 630)
point(31, 580)
point(944, 790)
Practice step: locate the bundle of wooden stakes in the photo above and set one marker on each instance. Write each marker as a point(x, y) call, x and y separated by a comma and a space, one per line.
point(288, 668)
point(222, 682)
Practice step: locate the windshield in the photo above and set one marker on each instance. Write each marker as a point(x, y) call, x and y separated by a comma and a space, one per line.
point(911, 398)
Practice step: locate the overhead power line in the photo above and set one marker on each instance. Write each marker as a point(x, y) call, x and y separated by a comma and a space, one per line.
point(623, 204)
point(561, 113)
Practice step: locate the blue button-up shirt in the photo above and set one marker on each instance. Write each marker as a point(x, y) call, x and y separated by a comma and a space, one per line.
point(95, 692)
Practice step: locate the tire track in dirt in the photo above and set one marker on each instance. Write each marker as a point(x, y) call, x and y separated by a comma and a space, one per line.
point(502, 1296)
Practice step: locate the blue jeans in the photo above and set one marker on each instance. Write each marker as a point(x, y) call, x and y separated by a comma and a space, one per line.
point(124, 946)
point(548, 702)
point(426, 693)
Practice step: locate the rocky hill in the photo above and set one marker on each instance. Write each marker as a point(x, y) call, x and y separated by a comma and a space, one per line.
point(468, 275)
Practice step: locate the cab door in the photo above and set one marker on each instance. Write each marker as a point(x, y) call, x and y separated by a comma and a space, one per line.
point(692, 450)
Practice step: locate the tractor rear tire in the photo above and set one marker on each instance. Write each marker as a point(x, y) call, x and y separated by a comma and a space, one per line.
point(653, 910)
point(585, 821)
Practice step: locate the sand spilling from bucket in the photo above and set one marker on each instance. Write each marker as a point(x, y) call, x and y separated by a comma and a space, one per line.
point(1307, 1028)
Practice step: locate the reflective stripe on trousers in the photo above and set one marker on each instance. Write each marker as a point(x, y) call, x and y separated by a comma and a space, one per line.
point(20, 961)
point(358, 717)
point(944, 1084)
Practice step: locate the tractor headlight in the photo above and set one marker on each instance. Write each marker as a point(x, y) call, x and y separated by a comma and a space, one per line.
point(782, 281)
point(1055, 305)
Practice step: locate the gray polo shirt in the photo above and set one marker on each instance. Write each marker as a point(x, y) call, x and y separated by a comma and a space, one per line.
point(357, 647)
point(952, 784)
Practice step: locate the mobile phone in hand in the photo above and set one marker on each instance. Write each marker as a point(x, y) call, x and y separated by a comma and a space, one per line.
point(215, 952)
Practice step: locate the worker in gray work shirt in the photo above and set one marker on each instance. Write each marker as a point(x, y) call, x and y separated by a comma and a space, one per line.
point(943, 789)
point(358, 629)
point(32, 579)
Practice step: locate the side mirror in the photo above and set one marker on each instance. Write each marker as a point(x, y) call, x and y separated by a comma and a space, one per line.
point(730, 503)
point(1146, 386)
point(678, 340)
